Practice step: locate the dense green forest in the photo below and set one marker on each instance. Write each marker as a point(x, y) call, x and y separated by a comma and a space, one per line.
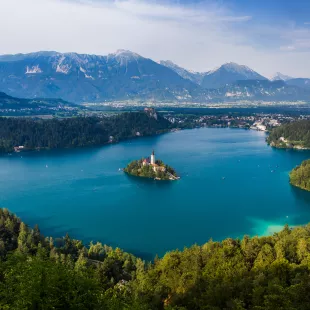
point(295, 134)
point(77, 132)
point(300, 176)
point(137, 168)
point(37, 272)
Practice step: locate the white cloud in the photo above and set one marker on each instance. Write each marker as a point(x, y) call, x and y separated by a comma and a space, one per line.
point(198, 37)
point(288, 48)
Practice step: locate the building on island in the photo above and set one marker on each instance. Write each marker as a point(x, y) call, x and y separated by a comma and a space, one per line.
point(152, 162)
point(153, 158)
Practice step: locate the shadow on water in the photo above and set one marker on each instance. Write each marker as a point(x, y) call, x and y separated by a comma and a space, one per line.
point(59, 231)
point(144, 255)
point(301, 195)
point(148, 181)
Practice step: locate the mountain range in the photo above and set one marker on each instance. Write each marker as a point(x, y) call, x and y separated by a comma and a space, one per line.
point(124, 76)
point(281, 77)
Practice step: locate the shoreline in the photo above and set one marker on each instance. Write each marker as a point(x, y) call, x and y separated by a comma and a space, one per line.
point(148, 178)
point(39, 149)
point(286, 147)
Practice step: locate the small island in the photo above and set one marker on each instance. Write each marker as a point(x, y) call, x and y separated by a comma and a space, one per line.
point(151, 168)
point(300, 176)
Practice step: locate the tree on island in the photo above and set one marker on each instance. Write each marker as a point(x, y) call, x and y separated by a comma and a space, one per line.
point(155, 169)
point(300, 176)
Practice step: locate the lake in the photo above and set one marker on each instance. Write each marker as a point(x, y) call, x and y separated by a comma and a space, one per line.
point(231, 184)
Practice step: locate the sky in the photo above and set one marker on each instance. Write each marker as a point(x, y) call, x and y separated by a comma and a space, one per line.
point(267, 35)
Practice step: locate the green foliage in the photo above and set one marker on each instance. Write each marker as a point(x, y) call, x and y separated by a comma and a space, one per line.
point(300, 176)
point(76, 132)
point(296, 133)
point(252, 273)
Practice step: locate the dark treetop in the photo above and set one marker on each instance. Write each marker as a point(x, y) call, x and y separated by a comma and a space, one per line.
point(296, 134)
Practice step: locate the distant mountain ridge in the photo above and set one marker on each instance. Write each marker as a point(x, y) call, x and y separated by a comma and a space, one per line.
point(127, 76)
point(281, 77)
point(227, 74)
point(123, 75)
point(195, 77)
point(300, 82)
point(9, 102)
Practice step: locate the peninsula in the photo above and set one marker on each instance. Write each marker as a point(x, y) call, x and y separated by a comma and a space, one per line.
point(293, 135)
point(300, 176)
point(151, 168)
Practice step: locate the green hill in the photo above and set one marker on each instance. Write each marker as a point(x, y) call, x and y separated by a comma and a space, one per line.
point(291, 135)
point(300, 176)
point(38, 272)
point(77, 132)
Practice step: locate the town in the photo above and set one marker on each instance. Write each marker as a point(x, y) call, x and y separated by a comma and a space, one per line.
point(255, 121)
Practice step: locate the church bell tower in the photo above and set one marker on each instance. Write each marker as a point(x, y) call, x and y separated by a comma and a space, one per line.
point(153, 158)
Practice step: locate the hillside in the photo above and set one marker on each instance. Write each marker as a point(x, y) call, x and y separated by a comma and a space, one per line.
point(195, 77)
point(38, 272)
point(291, 135)
point(300, 176)
point(263, 90)
point(12, 103)
point(300, 82)
point(77, 132)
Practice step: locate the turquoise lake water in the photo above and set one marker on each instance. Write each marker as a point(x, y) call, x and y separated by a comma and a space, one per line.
point(82, 192)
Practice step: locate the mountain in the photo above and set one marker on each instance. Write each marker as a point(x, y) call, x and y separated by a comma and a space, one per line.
point(227, 74)
point(300, 82)
point(281, 77)
point(123, 75)
point(193, 76)
point(262, 90)
point(127, 76)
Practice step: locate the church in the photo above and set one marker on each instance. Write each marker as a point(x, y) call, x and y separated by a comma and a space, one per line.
point(152, 162)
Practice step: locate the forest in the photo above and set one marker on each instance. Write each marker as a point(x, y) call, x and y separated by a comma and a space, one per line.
point(38, 272)
point(77, 132)
point(300, 176)
point(295, 133)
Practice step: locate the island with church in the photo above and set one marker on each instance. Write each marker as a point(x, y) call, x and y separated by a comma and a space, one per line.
point(151, 168)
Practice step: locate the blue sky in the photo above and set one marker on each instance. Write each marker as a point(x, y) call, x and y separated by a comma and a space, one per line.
point(297, 10)
point(266, 35)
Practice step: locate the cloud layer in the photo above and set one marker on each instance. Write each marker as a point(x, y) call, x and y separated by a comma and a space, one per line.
point(198, 37)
